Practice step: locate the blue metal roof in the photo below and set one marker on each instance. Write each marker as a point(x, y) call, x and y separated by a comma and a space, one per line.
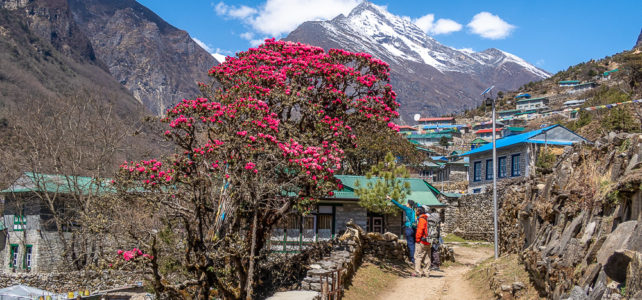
point(524, 138)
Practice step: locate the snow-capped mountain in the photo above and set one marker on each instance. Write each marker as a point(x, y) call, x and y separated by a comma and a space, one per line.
point(430, 78)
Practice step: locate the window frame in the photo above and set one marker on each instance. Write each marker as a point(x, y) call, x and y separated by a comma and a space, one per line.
point(19, 222)
point(14, 249)
point(489, 166)
point(515, 172)
point(28, 257)
point(501, 174)
point(477, 166)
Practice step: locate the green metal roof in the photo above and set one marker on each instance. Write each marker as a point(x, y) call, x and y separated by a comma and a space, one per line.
point(479, 141)
point(37, 182)
point(516, 128)
point(569, 81)
point(420, 191)
point(452, 195)
point(430, 136)
point(509, 111)
point(531, 99)
point(526, 112)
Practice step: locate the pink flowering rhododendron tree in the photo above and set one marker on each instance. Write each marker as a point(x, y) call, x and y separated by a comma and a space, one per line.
point(267, 137)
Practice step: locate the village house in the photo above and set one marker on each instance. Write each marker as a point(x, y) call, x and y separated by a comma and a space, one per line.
point(487, 134)
point(513, 130)
point(508, 113)
point(488, 125)
point(523, 96)
point(405, 129)
point(328, 219)
point(573, 103)
point(478, 142)
point(29, 238)
point(567, 83)
point(515, 155)
point(437, 121)
point(428, 139)
point(582, 87)
point(532, 104)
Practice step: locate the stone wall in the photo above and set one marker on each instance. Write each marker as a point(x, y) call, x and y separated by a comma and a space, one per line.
point(577, 228)
point(470, 217)
point(350, 211)
point(72, 281)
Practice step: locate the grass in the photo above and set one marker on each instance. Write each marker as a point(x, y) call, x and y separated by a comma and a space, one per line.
point(509, 271)
point(452, 238)
point(370, 281)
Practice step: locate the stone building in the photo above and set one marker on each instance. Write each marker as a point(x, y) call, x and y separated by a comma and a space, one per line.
point(30, 241)
point(532, 104)
point(515, 155)
point(330, 216)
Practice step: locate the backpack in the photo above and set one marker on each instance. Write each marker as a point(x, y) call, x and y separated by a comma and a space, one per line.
point(432, 234)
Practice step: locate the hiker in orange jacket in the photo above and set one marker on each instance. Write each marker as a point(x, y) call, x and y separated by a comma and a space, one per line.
point(422, 246)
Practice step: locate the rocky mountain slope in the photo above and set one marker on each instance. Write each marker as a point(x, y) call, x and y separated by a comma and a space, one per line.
point(638, 44)
point(43, 53)
point(578, 225)
point(430, 78)
point(157, 62)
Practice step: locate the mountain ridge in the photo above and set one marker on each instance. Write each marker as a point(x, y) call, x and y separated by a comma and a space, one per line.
point(430, 78)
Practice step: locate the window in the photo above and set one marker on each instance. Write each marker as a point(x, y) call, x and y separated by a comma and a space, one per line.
point(477, 191)
point(489, 169)
point(19, 223)
point(477, 171)
point(13, 258)
point(514, 160)
point(501, 167)
point(26, 263)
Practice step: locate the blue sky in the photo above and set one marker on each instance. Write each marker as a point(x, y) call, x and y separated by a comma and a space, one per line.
point(553, 35)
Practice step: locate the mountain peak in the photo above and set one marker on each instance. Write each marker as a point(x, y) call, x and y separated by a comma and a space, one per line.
point(639, 42)
point(430, 78)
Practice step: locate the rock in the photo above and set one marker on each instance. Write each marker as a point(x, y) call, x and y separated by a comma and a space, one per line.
point(570, 231)
point(295, 295)
point(389, 236)
point(618, 239)
point(577, 293)
point(588, 232)
point(590, 274)
point(634, 275)
point(518, 285)
point(506, 288)
point(375, 236)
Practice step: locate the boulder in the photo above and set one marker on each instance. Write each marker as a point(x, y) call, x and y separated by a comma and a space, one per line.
point(389, 236)
point(618, 239)
point(577, 293)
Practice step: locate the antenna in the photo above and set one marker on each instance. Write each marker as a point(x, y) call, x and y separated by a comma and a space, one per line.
point(416, 117)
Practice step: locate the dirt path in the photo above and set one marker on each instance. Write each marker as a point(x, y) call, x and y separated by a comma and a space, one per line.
point(449, 284)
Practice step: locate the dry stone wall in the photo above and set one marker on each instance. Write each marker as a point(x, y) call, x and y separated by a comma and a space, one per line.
point(578, 229)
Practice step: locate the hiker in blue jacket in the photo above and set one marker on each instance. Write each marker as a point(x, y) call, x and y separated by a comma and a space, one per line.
point(410, 225)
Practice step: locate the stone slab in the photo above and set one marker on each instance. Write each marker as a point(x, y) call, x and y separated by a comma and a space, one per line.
point(294, 295)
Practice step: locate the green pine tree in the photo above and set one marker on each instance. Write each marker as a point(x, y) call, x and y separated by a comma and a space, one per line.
point(384, 179)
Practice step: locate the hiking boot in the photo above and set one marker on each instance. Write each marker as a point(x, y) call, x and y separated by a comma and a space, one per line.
point(436, 269)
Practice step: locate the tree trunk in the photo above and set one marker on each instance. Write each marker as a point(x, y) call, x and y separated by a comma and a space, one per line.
point(249, 288)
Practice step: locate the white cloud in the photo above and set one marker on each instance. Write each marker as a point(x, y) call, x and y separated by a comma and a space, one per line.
point(490, 26)
point(442, 26)
point(426, 22)
point(247, 36)
point(467, 50)
point(445, 26)
point(278, 17)
point(240, 12)
point(219, 57)
point(203, 45)
point(257, 42)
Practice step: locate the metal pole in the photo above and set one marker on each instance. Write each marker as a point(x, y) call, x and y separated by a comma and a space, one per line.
point(495, 183)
